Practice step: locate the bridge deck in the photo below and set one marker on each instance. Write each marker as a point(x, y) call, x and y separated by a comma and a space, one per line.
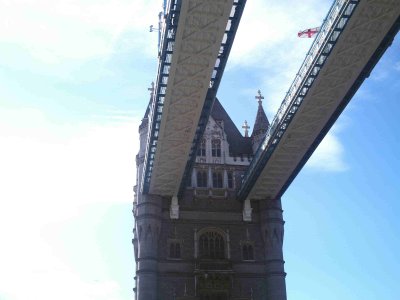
point(196, 41)
point(352, 40)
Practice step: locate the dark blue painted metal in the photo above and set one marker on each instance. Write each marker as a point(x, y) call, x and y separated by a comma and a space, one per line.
point(165, 58)
point(386, 42)
point(334, 24)
point(166, 48)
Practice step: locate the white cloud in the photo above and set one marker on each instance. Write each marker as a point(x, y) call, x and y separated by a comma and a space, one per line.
point(53, 177)
point(267, 43)
point(75, 29)
point(329, 155)
point(53, 280)
point(47, 160)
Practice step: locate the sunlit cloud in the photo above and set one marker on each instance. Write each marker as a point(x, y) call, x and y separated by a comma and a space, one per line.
point(274, 51)
point(54, 175)
point(56, 30)
point(329, 156)
point(267, 43)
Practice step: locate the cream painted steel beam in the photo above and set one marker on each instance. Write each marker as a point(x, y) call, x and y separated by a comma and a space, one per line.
point(359, 47)
point(200, 31)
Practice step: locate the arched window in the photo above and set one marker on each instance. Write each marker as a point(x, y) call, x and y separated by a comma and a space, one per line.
point(201, 151)
point(211, 245)
point(230, 180)
point(217, 180)
point(201, 179)
point(216, 148)
point(174, 250)
point(247, 252)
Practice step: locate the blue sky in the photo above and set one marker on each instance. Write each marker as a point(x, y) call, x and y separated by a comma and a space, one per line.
point(73, 88)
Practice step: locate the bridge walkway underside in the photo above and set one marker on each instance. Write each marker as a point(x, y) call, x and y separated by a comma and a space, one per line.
point(369, 31)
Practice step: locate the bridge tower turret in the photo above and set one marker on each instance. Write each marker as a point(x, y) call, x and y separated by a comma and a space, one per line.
point(215, 248)
point(147, 213)
point(260, 125)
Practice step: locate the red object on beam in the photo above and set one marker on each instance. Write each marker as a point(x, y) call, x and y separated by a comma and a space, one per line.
point(308, 33)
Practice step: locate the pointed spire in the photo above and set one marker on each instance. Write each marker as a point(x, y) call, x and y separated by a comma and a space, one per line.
point(261, 124)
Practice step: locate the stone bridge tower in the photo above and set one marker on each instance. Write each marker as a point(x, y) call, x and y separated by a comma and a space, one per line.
point(218, 248)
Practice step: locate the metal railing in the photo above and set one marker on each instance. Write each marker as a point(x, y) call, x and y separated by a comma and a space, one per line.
point(334, 23)
point(166, 48)
point(219, 67)
point(167, 42)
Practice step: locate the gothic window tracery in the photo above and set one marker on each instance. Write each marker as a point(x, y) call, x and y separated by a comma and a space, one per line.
point(174, 249)
point(201, 151)
point(216, 148)
point(201, 179)
point(211, 245)
point(247, 251)
point(217, 179)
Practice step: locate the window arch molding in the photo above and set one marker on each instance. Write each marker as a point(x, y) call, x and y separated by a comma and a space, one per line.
point(202, 149)
point(202, 178)
point(247, 249)
point(174, 249)
point(216, 147)
point(212, 243)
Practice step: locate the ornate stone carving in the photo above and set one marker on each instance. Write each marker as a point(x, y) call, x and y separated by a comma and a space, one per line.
point(247, 210)
point(174, 209)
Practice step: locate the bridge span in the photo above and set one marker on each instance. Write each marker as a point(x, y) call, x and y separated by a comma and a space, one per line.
point(351, 41)
point(196, 38)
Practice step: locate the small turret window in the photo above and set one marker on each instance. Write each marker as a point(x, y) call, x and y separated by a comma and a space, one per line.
point(216, 148)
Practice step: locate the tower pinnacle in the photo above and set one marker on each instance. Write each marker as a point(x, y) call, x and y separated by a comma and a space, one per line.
point(259, 97)
point(261, 124)
point(246, 128)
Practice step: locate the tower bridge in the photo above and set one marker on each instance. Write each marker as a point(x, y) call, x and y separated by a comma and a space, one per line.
point(208, 215)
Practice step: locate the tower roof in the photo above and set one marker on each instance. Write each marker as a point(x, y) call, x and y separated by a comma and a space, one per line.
point(238, 144)
point(261, 124)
